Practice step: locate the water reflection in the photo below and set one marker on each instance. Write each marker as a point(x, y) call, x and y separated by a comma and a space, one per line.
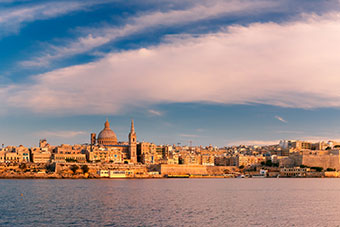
point(170, 202)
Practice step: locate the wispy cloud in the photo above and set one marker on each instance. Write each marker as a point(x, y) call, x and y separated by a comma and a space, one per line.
point(289, 132)
point(99, 36)
point(254, 142)
point(13, 18)
point(280, 119)
point(61, 134)
point(155, 112)
point(189, 135)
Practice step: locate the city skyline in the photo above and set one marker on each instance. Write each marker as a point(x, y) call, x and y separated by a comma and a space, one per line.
point(211, 72)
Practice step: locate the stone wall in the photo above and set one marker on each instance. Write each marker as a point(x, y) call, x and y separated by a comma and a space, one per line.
point(324, 161)
point(94, 168)
point(195, 170)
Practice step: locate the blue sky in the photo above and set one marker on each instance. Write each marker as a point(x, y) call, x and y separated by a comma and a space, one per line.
point(211, 72)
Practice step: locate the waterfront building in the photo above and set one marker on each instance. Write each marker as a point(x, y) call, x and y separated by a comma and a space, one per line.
point(149, 153)
point(172, 158)
point(40, 156)
point(23, 153)
point(2, 156)
point(294, 172)
point(246, 160)
point(11, 157)
point(115, 154)
point(68, 149)
point(15, 154)
point(207, 160)
point(188, 158)
point(62, 158)
point(301, 145)
point(222, 161)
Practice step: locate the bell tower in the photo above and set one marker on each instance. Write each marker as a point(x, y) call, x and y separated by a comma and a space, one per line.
point(133, 144)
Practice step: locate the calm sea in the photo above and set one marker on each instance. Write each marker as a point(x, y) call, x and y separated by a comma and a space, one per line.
point(170, 202)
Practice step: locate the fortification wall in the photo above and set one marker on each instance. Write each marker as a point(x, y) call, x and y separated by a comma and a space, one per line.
point(195, 170)
point(324, 161)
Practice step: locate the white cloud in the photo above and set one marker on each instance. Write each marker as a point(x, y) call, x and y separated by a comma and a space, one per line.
point(99, 36)
point(61, 134)
point(290, 65)
point(280, 119)
point(12, 19)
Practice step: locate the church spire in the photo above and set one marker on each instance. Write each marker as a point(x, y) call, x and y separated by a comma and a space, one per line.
point(132, 127)
point(133, 144)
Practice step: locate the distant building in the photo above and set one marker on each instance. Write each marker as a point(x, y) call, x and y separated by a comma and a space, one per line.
point(15, 154)
point(40, 156)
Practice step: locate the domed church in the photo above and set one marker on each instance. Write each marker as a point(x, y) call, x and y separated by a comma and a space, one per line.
point(107, 137)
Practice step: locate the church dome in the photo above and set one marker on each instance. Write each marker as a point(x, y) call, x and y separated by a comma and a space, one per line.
point(107, 136)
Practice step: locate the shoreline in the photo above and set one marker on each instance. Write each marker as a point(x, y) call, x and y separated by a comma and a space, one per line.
point(134, 178)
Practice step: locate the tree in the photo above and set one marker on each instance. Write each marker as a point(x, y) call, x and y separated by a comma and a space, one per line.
point(74, 168)
point(269, 163)
point(85, 168)
point(23, 166)
point(318, 169)
point(70, 160)
point(50, 167)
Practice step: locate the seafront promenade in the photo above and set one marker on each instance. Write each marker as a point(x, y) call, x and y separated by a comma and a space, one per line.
point(141, 171)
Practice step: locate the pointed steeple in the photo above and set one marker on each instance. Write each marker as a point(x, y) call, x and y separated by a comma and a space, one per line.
point(132, 127)
point(133, 144)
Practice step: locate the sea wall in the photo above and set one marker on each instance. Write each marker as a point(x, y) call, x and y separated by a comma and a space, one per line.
point(195, 170)
point(324, 161)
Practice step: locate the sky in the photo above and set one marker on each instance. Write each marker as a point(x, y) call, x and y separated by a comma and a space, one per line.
point(210, 72)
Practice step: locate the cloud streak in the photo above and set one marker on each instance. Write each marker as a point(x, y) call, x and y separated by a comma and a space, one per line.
point(189, 135)
point(280, 119)
point(61, 134)
point(97, 37)
point(155, 112)
point(13, 18)
point(254, 142)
